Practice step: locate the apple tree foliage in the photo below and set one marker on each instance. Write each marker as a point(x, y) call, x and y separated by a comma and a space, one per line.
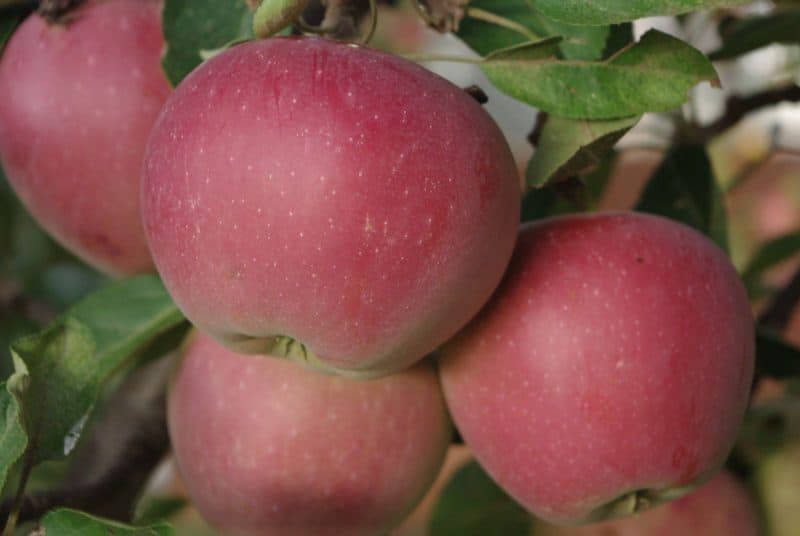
point(70, 338)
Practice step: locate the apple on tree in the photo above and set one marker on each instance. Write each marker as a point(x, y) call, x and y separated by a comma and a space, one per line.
point(77, 101)
point(266, 446)
point(720, 507)
point(328, 202)
point(611, 369)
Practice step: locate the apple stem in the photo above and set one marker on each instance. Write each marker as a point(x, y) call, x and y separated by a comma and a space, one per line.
point(373, 21)
point(421, 58)
point(57, 11)
point(271, 16)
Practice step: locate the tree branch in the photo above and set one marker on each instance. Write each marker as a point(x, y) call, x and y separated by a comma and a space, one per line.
point(442, 15)
point(737, 108)
point(14, 301)
point(778, 313)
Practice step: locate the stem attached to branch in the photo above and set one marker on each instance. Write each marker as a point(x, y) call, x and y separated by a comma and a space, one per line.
point(738, 107)
point(271, 16)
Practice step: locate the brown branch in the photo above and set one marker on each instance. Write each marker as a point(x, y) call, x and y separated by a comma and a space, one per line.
point(115, 460)
point(737, 108)
point(15, 302)
point(538, 127)
point(442, 15)
point(778, 313)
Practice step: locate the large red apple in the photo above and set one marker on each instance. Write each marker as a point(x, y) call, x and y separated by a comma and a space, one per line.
point(77, 101)
point(334, 203)
point(266, 446)
point(721, 507)
point(611, 369)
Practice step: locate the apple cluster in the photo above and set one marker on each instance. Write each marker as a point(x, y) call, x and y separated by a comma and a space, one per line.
point(353, 212)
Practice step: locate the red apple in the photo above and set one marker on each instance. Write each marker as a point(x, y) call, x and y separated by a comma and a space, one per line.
point(721, 507)
point(77, 101)
point(266, 446)
point(329, 202)
point(611, 369)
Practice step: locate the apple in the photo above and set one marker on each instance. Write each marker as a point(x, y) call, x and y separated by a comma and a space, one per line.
point(266, 446)
point(721, 507)
point(77, 101)
point(328, 202)
point(611, 369)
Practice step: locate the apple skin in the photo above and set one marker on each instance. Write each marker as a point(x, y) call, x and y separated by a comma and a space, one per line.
point(266, 446)
point(77, 101)
point(300, 190)
point(720, 507)
point(610, 370)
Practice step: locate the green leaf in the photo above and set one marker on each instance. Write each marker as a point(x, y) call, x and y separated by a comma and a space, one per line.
point(619, 37)
point(580, 42)
point(749, 34)
point(152, 509)
point(771, 253)
point(472, 504)
point(13, 439)
point(541, 203)
point(592, 12)
point(124, 315)
point(64, 366)
point(485, 36)
point(684, 188)
point(58, 396)
point(65, 522)
point(653, 75)
point(774, 357)
point(194, 27)
point(571, 146)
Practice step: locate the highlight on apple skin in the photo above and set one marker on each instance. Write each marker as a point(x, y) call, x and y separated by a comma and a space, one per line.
point(77, 101)
point(611, 369)
point(328, 202)
point(266, 446)
point(720, 507)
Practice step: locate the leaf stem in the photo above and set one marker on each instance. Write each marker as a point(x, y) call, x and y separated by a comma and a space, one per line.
point(16, 506)
point(492, 18)
point(420, 58)
point(373, 21)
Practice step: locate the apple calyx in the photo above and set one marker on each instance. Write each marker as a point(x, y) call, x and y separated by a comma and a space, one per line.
point(284, 346)
point(637, 502)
